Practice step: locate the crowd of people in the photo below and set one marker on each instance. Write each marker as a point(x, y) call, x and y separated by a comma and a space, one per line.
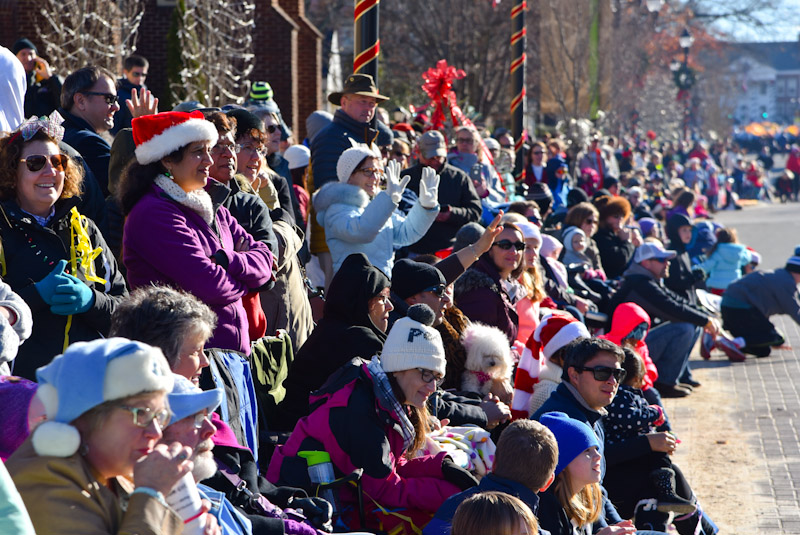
point(487, 356)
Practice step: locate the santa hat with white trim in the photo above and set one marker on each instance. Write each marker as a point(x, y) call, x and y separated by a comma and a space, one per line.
point(162, 134)
point(87, 375)
point(557, 330)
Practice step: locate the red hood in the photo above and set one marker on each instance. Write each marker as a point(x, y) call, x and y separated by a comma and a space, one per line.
point(627, 317)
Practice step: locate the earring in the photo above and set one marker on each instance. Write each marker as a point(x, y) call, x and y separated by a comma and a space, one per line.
point(168, 174)
point(83, 450)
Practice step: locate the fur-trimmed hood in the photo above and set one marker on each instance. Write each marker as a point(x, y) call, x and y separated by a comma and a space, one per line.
point(339, 193)
point(473, 279)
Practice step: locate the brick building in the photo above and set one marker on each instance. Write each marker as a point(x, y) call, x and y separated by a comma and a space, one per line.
point(287, 46)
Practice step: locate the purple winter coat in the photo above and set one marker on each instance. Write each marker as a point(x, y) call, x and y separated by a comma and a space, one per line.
point(166, 242)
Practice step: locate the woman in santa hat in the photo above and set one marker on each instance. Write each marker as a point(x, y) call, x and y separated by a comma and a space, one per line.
point(177, 234)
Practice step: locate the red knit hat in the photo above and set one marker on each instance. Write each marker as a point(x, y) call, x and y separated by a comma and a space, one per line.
point(162, 134)
point(555, 331)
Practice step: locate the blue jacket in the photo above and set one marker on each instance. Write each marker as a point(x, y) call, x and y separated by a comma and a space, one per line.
point(442, 521)
point(354, 223)
point(122, 119)
point(95, 150)
point(725, 264)
point(231, 521)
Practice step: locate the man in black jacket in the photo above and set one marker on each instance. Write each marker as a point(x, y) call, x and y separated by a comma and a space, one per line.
point(457, 197)
point(44, 86)
point(672, 341)
point(134, 73)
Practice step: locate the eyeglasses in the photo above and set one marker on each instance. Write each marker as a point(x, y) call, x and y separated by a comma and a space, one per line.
point(250, 148)
point(602, 373)
point(371, 171)
point(508, 244)
point(538, 153)
point(591, 220)
point(467, 140)
point(142, 416)
point(429, 376)
point(109, 98)
point(36, 162)
point(219, 148)
point(400, 154)
point(438, 289)
point(272, 128)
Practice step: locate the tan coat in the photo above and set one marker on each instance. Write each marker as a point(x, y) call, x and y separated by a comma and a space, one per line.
point(63, 497)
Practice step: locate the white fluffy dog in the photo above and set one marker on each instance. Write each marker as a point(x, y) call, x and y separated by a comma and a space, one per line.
point(488, 358)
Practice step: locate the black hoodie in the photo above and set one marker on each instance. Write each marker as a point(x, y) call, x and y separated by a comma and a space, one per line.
point(344, 332)
point(681, 279)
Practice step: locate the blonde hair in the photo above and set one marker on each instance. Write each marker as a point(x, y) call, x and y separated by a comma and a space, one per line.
point(583, 507)
point(493, 513)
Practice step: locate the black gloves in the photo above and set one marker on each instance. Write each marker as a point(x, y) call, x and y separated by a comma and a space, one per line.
point(457, 475)
point(317, 510)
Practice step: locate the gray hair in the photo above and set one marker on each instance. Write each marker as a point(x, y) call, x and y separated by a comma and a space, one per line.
point(162, 317)
point(82, 80)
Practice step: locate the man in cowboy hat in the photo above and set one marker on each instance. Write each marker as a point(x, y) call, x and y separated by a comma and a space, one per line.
point(354, 121)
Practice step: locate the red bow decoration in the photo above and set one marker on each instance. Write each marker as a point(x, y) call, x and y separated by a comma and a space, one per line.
point(439, 88)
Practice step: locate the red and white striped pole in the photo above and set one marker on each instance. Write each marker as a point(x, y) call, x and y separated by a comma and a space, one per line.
point(366, 43)
point(518, 101)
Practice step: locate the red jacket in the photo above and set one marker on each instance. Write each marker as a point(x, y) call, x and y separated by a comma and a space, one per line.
point(628, 316)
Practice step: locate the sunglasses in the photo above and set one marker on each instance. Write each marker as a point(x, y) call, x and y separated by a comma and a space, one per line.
point(437, 290)
point(271, 128)
point(109, 98)
point(660, 260)
point(36, 162)
point(508, 244)
point(465, 140)
point(429, 376)
point(142, 416)
point(602, 373)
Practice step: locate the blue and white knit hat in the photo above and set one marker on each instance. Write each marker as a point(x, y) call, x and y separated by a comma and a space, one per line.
point(87, 375)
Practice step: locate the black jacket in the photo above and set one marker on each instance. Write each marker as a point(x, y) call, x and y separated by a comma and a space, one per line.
point(457, 197)
point(42, 98)
point(662, 304)
point(31, 253)
point(95, 150)
point(249, 210)
point(615, 254)
point(681, 279)
point(289, 210)
point(122, 119)
point(344, 332)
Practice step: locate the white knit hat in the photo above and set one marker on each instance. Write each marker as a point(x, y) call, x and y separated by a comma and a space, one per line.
point(350, 159)
point(412, 343)
point(162, 134)
point(297, 156)
point(87, 375)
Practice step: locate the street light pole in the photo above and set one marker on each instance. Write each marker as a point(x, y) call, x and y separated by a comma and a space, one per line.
point(684, 79)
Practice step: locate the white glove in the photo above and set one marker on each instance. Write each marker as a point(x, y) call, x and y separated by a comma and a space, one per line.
point(394, 185)
point(429, 189)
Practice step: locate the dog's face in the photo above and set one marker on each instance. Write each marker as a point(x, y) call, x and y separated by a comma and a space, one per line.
point(493, 364)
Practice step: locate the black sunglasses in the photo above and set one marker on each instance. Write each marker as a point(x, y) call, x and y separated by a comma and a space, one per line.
point(508, 244)
point(602, 373)
point(271, 128)
point(35, 162)
point(109, 98)
point(437, 289)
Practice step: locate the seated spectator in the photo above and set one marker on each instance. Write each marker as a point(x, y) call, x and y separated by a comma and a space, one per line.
point(383, 403)
point(575, 500)
point(358, 217)
point(54, 257)
point(680, 323)
point(354, 324)
point(546, 350)
point(615, 242)
point(458, 201)
point(585, 216)
point(494, 512)
point(89, 101)
point(96, 466)
point(469, 153)
point(298, 157)
point(44, 86)
point(531, 280)
point(725, 261)
point(523, 466)
point(488, 290)
point(168, 236)
point(748, 303)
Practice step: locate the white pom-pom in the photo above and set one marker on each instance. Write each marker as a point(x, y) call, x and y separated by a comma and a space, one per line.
point(56, 439)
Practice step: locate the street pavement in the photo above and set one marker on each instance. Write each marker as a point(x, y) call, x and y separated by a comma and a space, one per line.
point(764, 392)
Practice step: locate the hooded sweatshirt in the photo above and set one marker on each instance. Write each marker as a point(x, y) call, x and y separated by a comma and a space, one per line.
point(680, 280)
point(725, 264)
point(627, 317)
point(344, 332)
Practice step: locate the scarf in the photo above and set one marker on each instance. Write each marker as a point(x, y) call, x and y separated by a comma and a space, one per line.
point(386, 397)
point(198, 200)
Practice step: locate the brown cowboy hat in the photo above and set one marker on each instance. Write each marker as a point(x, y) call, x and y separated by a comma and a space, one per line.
point(357, 84)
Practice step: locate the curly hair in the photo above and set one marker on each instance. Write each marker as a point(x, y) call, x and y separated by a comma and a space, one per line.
point(11, 149)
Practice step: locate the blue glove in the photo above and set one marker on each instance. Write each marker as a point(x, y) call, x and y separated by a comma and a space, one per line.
point(71, 297)
point(47, 286)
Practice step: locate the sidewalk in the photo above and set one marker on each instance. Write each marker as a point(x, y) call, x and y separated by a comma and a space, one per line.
point(740, 437)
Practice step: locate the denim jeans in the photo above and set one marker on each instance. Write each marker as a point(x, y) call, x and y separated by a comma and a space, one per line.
point(670, 345)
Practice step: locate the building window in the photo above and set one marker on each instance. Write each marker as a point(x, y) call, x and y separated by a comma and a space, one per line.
point(780, 87)
point(763, 88)
point(791, 87)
